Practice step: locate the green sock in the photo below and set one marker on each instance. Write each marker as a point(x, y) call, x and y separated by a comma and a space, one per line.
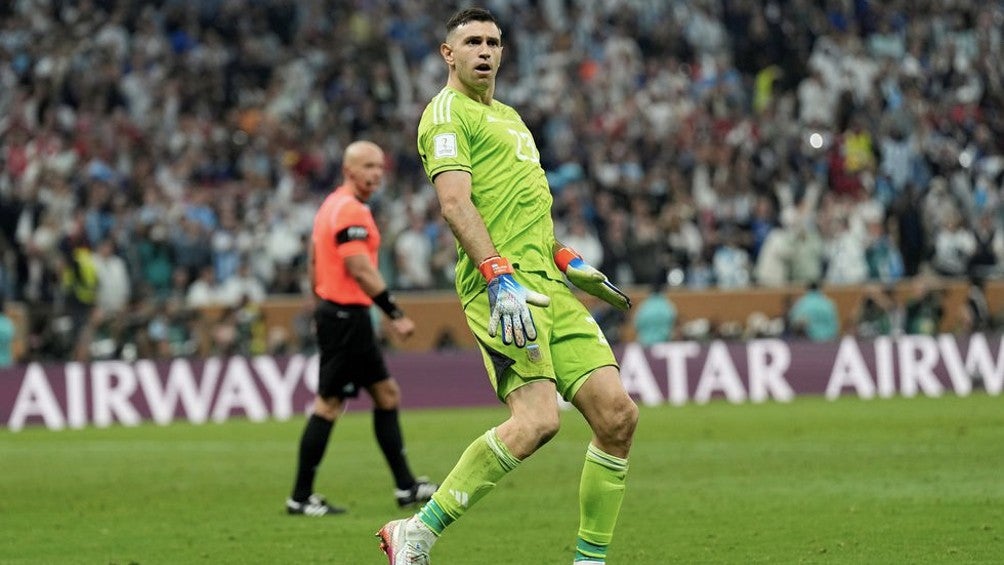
point(483, 463)
point(601, 491)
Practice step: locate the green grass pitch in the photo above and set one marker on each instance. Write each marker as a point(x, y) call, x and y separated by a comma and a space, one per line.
point(852, 481)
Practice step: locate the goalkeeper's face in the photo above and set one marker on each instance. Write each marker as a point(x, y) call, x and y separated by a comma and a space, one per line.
point(473, 52)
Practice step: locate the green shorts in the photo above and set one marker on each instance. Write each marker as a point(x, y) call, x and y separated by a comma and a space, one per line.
point(569, 345)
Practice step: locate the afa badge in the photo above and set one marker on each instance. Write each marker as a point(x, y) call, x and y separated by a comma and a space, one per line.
point(533, 353)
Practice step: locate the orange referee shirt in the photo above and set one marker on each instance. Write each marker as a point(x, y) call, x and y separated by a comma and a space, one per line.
point(343, 226)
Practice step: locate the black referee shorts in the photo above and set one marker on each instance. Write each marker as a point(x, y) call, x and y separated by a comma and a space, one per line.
point(350, 356)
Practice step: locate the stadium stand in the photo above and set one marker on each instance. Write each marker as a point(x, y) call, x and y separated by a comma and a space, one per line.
point(162, 160)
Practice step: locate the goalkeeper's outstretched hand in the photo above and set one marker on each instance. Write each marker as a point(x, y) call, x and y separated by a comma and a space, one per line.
point(588, 278)
point(508, 301)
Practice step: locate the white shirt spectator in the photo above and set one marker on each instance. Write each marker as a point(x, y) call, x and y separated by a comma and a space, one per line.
point(202, 292)
point(114, 285)
point(816, 102)
point(937, 204)
point(846, 262)
point(898, 154)
point(860, 71)
point(773, 262)
point(114, 37)
point(584, 242)
point(683, 238)
point(242, 284)
point(806, 254)
point(731, 266)
point(413, 257)
point(704, 30)
point(283, 243)
point(954, 245)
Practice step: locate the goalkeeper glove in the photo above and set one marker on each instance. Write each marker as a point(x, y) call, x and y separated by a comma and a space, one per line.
point(587, 278)
point(508, 302)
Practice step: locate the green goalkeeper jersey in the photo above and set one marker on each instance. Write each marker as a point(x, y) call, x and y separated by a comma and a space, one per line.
point(508, 187)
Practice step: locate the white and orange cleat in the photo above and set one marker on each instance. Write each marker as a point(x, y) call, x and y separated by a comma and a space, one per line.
point(406, 541)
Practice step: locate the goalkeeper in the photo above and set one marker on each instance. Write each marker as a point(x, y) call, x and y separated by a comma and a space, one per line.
point(537, 340)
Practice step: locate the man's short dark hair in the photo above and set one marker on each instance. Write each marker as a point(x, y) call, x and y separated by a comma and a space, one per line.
point(468, 15)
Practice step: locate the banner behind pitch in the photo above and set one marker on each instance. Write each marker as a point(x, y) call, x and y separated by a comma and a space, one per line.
point(102, 393)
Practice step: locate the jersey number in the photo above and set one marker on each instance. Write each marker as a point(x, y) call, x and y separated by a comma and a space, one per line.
point(525, 148)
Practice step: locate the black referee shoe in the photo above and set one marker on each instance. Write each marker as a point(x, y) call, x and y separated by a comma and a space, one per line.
point(315, 505)
point(419, 492)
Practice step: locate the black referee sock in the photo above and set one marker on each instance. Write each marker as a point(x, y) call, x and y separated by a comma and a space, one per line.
point(313, 442)
point(388, 434)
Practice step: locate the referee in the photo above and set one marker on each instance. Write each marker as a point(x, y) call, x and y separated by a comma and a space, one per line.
point(346, 282)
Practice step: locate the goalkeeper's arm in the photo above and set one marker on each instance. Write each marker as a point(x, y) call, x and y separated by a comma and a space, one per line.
point(586, 277)
point(507, 298)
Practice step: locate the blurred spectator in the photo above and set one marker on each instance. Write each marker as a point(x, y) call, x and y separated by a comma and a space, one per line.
point(773, 263)
point(816, 100)
point(240, 287)
point(655, 318)
point(180, 283)
point(7, 335)
point(303, 329)
point(699, 274)
point(40, 264)
point(807, 253)
point(975, 315)
point(885, 264)
point(857, 164)
point(762, 222)
point(645, 249)
point(191, 246)
point(988, 234)
point(203, 291)
point(444, 260)
point(616, 239)
point(581, 237)
point(954, 246)
point(106, 335)
point(229, 242)
point(877, 313)
point(730, 262)
point(223, 333)
point(924, 308)
point(413, 255)
point(912, 237)
point(683, 239)
point(283, 250)
point(155, 260)
point(185, 332)
point(114, 284)
point(899, 156)
point(79, 278)
point(761, 326)
point(252, 333)
point(845, 252)
point(814, 315)
point(158, 332)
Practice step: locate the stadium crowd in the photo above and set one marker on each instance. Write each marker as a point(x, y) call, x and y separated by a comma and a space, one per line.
point(161, 156)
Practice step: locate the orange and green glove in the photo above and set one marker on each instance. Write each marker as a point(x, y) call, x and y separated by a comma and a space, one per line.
point(587, 278)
